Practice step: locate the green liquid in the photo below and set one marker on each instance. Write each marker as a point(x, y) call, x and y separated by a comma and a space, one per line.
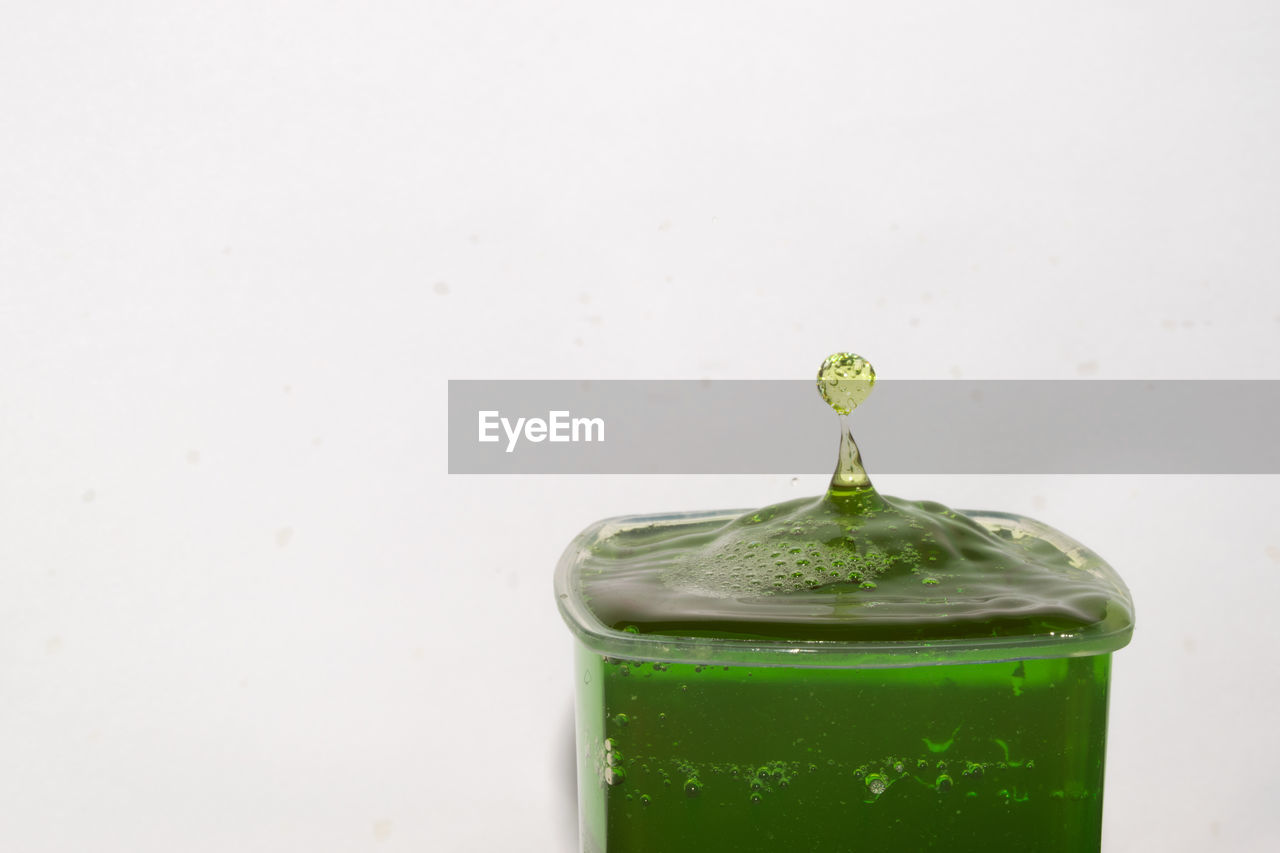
point(900, 675)
point(974, 757)
point(814, 569)
point(851, 565)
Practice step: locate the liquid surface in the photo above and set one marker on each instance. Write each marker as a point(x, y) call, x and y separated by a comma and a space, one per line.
point(808, 570)
point(849, 565)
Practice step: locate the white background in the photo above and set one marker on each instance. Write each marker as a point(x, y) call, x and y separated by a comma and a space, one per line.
point(243, 246)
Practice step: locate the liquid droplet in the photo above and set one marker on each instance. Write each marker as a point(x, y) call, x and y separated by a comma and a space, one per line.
point(692, 787)
point(845, 380)
point(943, 783)
point(876, 784)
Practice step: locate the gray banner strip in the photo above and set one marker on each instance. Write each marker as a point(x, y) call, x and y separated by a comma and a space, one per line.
point(905, 427)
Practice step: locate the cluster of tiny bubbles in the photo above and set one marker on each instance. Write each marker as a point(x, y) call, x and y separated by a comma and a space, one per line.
point(802, 545)
point(760, 780)
point(774, 770)
point(1018, 796)
point(623, 666)
point(613, 772)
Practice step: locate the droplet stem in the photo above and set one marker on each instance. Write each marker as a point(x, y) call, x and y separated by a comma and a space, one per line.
point(849, 476)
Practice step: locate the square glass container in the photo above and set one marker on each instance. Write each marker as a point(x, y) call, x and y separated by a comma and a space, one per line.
point(695, 735)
